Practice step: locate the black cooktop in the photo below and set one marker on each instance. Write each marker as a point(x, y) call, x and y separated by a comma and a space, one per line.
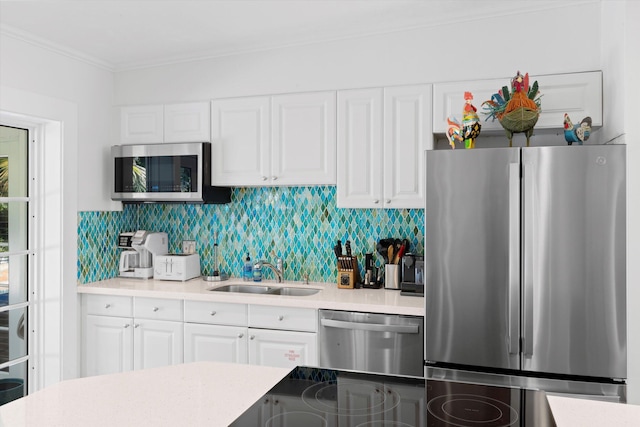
point(310, 397)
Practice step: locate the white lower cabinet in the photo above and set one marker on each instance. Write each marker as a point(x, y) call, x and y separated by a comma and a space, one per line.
point(108, 346)
point(157, 343)
point(215, 343)
point(282, 349)
point(255, 334)
point(125, 333)
point(118, 337)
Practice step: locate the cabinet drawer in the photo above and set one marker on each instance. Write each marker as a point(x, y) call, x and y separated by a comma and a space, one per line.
point(158, 308)
point(215, 313)
point(288, 318)
point(109, 305)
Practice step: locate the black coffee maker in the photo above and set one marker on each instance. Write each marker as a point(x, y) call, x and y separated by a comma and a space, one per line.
point(412, 275)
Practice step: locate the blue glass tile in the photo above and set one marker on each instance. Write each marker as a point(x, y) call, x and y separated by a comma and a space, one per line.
point(300, 224)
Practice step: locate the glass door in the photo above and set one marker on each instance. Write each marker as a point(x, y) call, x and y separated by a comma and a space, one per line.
point(14, 262)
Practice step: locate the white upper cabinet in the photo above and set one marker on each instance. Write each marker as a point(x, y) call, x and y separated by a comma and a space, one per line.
point(382, 134)
point(303, 135)
point(577, 94)
point(360, 166)
point(274, 140)
point(141, 124)
point(240, 140)
point(151, 124)
point(187, 122)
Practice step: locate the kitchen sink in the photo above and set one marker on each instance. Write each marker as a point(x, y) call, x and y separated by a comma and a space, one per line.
point(296, 292)
point(244, 289)
point(267, 290)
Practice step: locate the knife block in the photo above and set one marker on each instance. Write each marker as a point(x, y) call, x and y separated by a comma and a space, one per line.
point(348, 272)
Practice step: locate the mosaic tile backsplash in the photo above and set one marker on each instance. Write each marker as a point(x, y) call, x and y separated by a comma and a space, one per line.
point(299, 224)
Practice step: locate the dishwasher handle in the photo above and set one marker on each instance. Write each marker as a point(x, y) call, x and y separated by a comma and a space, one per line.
point(341, 324)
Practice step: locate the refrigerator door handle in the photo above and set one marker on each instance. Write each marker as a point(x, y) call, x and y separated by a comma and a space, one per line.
point(514, 258)
point(528, 265)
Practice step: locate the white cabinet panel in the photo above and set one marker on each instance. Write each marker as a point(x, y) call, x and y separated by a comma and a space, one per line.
point(141, 124)
point(284, 349)
point(215, 343)
point(215, 313)
point(109, 305)
point(303, 133)
point(158, 309)
point(382, 134)
point(286, 318)
point(157, 343)
point(577, 94)
point(407, 133)
point(359, 152)
point(240, 140)
point(187, 122)
point(108, 345)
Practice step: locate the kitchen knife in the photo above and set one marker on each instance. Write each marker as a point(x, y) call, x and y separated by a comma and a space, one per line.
point(348, 247)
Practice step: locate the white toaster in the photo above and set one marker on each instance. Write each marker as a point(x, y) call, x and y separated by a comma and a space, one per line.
point(176, 267)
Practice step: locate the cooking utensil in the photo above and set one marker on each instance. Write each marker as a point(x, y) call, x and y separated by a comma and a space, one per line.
point(390, 250)
point(348, 247)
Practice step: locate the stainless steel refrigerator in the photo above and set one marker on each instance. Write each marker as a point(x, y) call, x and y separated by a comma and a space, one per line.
point(525, 268)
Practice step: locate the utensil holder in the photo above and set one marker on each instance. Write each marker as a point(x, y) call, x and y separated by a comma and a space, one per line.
point(348, 272)
point(392, 276)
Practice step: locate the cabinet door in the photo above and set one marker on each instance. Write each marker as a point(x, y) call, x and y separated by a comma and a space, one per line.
point(157, 343)
point(215, 343)
point(141, 124)
point(187, 122)
point(407, 133)
point(283, 349)
point(578, 94)
point(303, 134)
point(240, 141)
point(359, 149)
point(412, 408)
point(108, 345)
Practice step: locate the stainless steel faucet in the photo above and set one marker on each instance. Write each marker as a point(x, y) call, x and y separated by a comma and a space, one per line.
point(277, 269)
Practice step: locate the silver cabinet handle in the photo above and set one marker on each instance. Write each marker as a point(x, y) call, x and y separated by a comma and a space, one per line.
point(213, 313)
point(107, 305)
point(376, 201)
point(281, 317)
point(240, 335)
point(136, 325)
point(264, 178)
point(388, 201)
point(251, 337)
point(341, 324)
point(155, 309)
point(274, 178)
point(126, 325)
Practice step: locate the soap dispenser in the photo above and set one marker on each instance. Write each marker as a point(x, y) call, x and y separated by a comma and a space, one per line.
point(247, 271)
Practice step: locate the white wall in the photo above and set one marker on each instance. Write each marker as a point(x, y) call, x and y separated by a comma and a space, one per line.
point(538, 43)
point(28, 67)
point(75, 98)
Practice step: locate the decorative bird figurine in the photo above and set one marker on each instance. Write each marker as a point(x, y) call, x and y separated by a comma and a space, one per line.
point(576, 134)
point(470, 128)
point(516, 110)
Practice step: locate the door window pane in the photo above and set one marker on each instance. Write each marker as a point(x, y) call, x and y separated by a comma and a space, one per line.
point(13, 279)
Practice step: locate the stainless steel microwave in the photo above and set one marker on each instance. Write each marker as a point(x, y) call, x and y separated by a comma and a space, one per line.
point(165, 173)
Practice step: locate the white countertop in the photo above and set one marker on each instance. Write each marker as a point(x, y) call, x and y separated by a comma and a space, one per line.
point(211, 394)
point(329, 297)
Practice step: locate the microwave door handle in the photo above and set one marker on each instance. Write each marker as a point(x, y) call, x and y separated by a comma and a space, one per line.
point(513, 293)
point(375, 327)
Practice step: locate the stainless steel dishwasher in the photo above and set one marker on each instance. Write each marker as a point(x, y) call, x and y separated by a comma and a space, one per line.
point(371, 342)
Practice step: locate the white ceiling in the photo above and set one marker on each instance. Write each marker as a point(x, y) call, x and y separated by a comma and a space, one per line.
point(125, 34)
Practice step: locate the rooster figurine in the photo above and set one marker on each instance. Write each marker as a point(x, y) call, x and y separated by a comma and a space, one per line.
point(470, 128)
point(576, 134)
point(516, 110)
